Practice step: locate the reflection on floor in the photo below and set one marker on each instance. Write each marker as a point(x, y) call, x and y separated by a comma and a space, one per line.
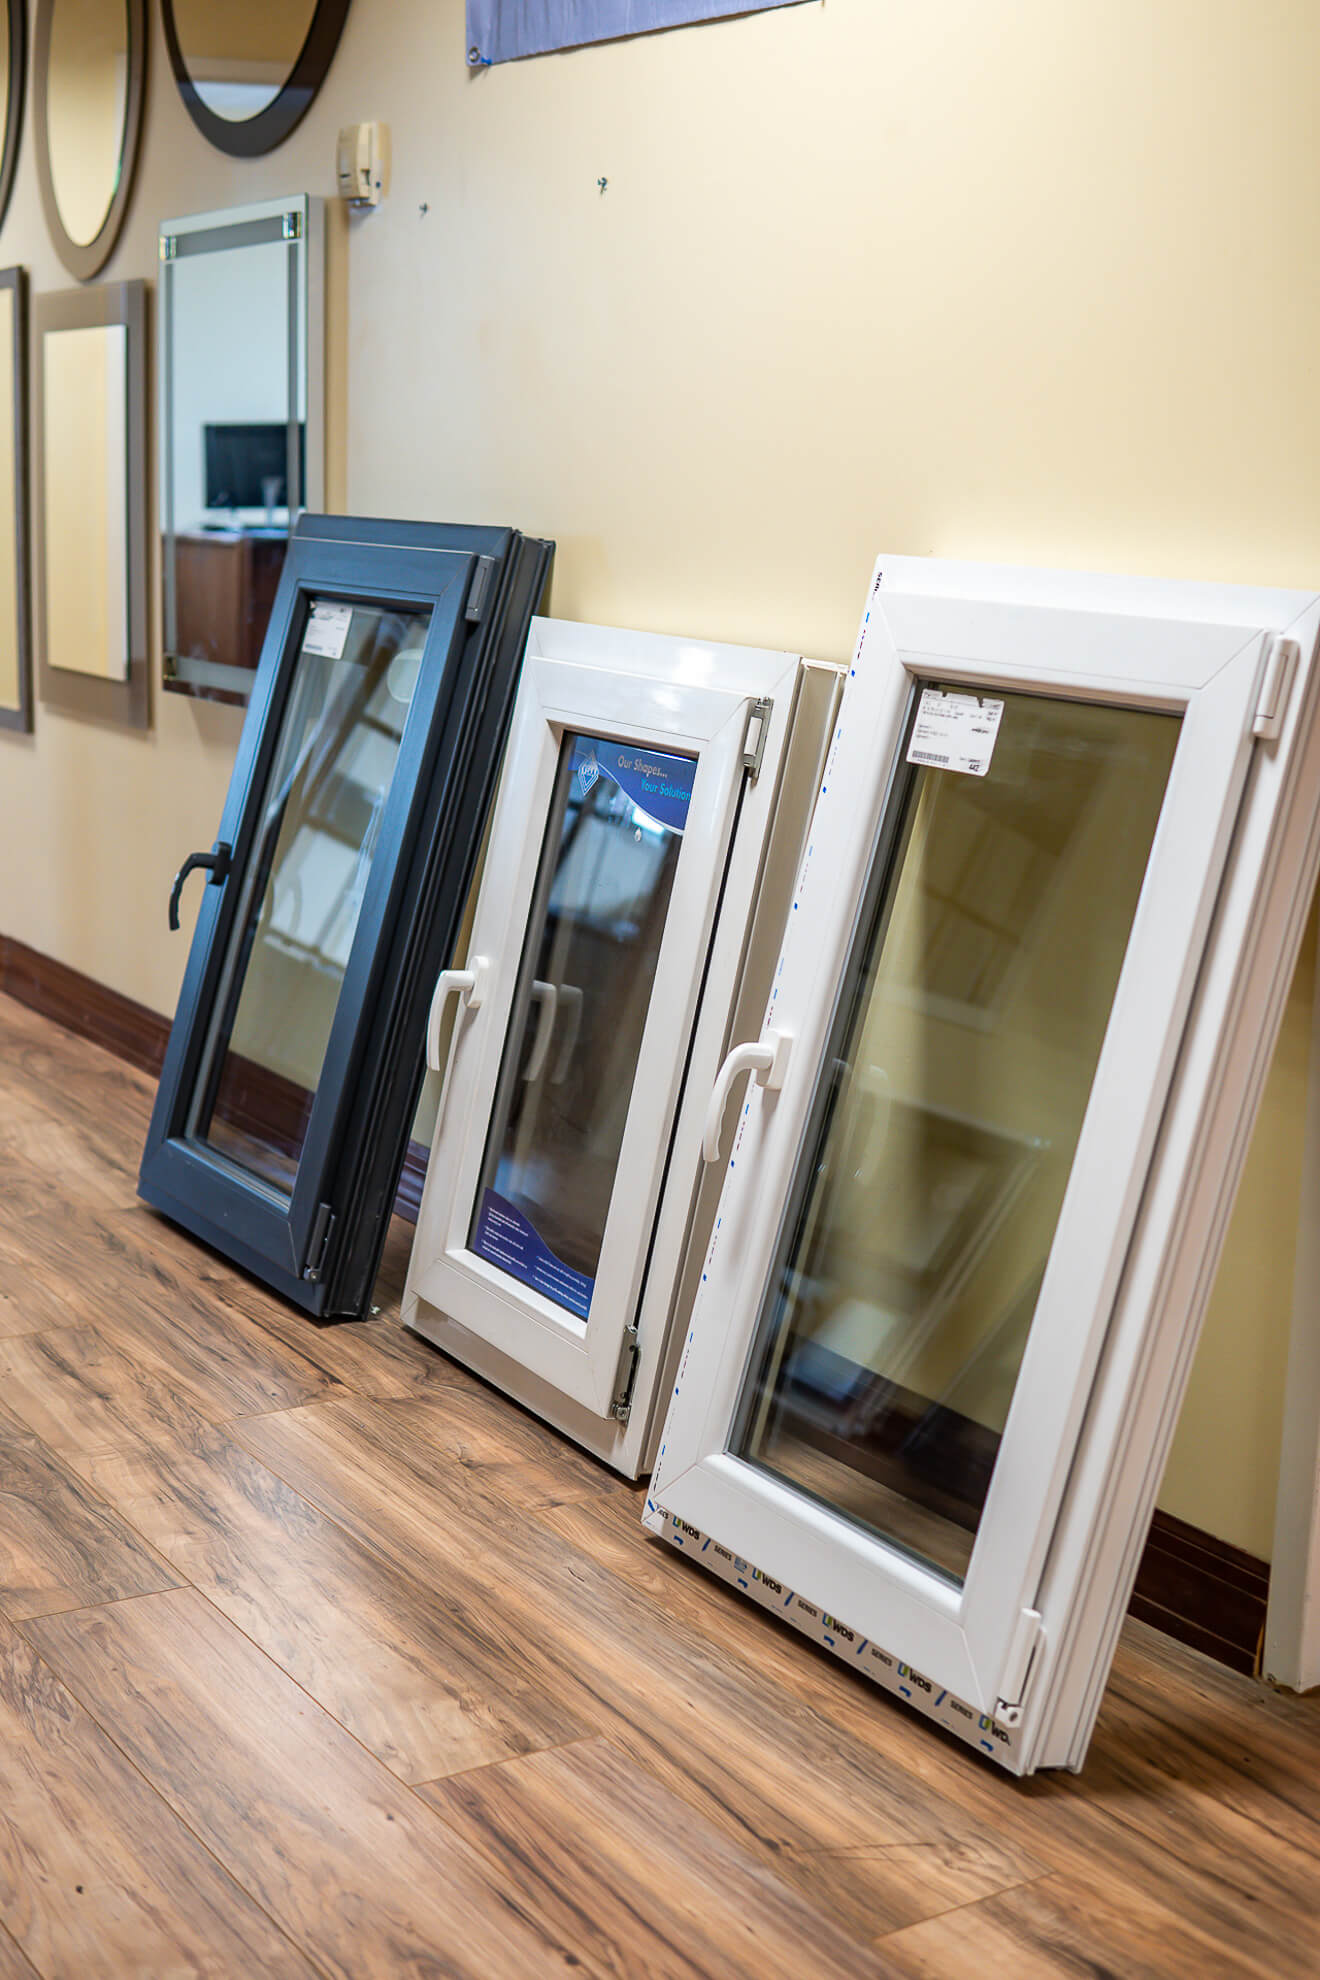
point(319, 1658)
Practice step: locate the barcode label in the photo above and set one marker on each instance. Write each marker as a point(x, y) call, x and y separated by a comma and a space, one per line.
point(955, 732)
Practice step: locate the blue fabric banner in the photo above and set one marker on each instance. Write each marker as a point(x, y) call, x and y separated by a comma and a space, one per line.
point(502, 30)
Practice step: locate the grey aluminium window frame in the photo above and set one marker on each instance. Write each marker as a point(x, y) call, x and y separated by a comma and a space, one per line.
point(320, 1245)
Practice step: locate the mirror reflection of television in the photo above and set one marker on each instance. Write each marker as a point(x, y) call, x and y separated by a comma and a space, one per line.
point(241, 459)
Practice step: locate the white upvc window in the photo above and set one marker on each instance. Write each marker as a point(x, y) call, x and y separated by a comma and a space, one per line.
point(612, 945)
point(935, 1297)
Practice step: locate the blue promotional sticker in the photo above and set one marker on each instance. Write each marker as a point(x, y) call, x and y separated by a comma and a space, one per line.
point(658, 782)
point(504, 1236)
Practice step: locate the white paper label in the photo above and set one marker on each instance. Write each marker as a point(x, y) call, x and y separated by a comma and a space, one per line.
point(955, 731)
point(327, 630)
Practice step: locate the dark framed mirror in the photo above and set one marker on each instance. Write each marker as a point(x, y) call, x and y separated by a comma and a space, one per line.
point(13, 52)
point(249, 75)
point(15, 617)
point(89, 83)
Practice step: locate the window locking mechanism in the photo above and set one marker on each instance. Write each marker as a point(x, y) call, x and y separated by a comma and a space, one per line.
point(318, 1248)
point(758, 722)
point(621, 1407)
point(480, 590)
point(1281, 657)
point(216, 864)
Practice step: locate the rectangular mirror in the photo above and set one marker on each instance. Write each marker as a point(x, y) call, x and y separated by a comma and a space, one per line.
point(15, 649)
point(85, 508)
point(91, 579)
point(241, 430)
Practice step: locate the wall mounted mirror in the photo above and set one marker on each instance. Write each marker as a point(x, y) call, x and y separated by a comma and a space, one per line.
point(13, 79)
point(90, 66)
point(91, 576)
point(249, 73)
point(15, 648)
point(242, 310)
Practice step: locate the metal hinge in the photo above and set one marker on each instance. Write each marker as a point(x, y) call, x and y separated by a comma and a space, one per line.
point(169, 247)
point(480, 590)
point(758, 723)
point(1281, 657)
point(1018, 1667)
point(322, 1231)
point(621, 1407)
point(293, 226)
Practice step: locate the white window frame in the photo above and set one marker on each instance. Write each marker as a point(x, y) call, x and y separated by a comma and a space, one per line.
point(666, 694)
point(1210, 653)
point(1292, 1619)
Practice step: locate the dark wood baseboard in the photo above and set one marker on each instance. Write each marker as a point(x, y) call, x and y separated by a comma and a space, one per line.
point(139, 1035)
point(1203, 1591)
point(1198, 1589)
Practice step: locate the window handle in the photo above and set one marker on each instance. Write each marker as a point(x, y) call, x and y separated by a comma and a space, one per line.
point(767, 1061)
point(469, 985)
point(570, 1002)
point(546, 998)
point(217, 864)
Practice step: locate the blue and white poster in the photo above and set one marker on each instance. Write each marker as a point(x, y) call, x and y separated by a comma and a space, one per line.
point(504, 30)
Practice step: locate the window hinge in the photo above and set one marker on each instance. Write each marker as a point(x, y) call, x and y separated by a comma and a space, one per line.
point(169, 247)
point(621, 1407)
point(293, 226)
point(479, 591)
point(1018, 1667)
point(1281, 656)
point(758, 722)
point(318, 1249)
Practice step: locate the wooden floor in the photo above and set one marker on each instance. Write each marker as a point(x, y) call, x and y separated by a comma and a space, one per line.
point(318, 1657)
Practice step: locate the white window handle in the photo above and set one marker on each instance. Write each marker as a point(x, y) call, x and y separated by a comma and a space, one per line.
point(470, 985)
point(546, 998)
point(767, 1061)
point(570, 1001)
point(874, 1087)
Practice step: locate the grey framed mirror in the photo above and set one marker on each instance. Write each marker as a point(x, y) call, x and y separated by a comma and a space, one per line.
point(89, 82)
point(13, 53)
point(249, 74)
point(89, 508)
point(242, 448)
point(15, 644)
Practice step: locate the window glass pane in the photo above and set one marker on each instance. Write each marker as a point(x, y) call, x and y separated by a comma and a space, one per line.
point(305, 882)
point(584, 990)
point(959, 1072)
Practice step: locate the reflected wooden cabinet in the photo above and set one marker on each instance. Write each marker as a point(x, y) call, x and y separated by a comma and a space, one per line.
point(226, 582)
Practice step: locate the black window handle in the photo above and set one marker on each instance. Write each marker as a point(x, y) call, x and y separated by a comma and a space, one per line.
point(217, 863)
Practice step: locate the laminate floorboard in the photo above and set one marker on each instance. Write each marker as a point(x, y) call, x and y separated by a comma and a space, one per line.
point(319, 1657)
point(756, 1759)
point(350, 1863)
point(97, 1878)
point(13, 1966)
point(609, 1861)
point(78, 1391)
point(61, 1547)
point(1058, 1929)
point(386, 1658)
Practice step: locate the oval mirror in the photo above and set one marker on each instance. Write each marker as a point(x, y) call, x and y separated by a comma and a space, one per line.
point(13, 57)
point(90, 71)
point(249, 73)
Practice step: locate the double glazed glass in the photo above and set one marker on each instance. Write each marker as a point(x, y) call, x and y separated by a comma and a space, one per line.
point(943, 1134)
point(306, 878)
point(579, 1012)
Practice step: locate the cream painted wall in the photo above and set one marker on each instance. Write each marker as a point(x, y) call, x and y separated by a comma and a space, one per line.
point(1028, 283)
